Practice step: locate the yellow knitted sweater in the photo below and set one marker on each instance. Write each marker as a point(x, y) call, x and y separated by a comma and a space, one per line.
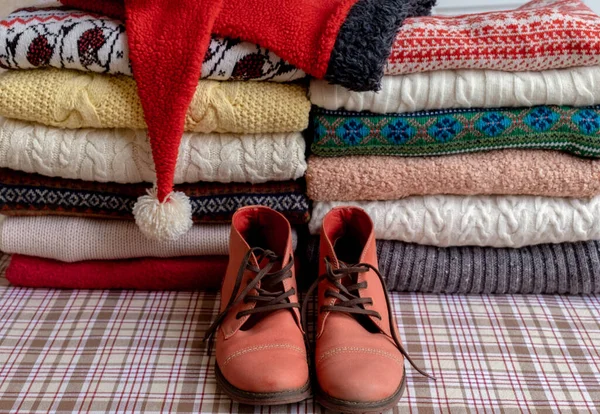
point(73, 99)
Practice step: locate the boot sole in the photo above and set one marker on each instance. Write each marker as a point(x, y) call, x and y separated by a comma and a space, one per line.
point(261, 398)
point(344, 406)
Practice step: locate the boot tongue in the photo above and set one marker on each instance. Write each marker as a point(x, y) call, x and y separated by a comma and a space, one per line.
point(276, 267)
point(351, 278)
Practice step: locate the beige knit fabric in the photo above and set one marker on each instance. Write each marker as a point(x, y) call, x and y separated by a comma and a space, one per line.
point(445, 89)
point(72, 239)
point(509, 172)
point(73, 99)
point(124, 156)
point(497, 221)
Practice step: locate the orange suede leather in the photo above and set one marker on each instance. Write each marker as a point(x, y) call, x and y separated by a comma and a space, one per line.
point(270, 355)
point(352, 363)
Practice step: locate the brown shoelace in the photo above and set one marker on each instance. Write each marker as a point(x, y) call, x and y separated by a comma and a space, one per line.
point(349, 301)
point(267, 299)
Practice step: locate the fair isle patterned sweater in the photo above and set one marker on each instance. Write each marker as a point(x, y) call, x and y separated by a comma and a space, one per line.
point(540, 35)
point(74, 39)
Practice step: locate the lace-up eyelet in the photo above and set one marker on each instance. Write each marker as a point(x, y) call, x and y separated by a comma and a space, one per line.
point(350, 302)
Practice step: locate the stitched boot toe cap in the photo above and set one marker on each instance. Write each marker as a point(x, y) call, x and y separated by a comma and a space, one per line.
point(360, 376)
point(267, 371)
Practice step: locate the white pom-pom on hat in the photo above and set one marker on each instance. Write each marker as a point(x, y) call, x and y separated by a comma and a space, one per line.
point(163, 221)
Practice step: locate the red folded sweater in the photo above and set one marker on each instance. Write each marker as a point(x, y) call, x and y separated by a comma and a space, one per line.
point(180, 273)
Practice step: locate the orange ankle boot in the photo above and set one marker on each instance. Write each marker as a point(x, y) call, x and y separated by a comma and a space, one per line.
point(260, 346)
point(359, 359)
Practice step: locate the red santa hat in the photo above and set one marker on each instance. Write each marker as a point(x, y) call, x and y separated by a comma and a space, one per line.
point(344, 41)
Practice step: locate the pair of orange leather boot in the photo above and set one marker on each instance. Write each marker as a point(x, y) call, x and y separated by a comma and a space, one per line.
point(261, 346)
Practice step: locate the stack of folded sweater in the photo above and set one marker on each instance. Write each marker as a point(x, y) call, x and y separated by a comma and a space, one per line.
point(74, 153)
point(478, 158)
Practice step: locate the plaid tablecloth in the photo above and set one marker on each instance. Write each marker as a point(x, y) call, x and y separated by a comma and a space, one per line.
point(115, 351)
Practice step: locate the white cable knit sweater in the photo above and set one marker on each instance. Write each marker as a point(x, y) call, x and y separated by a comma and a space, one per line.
point(497, 221)
point(445, 89)
point(124, 156)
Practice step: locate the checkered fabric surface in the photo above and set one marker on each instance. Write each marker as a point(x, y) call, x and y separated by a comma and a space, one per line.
point(115, 351)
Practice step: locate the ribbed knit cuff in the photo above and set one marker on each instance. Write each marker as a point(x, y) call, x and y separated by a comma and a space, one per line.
point(365, 40)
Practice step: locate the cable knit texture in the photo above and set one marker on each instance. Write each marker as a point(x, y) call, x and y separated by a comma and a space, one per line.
point(565, 268)
point(495, 221)
point(511, 172)
point(446, 89)
point(124, 156)
point(73, 239)
point(74, 99)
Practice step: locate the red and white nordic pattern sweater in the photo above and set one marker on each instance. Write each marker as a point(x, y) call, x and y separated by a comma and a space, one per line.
point(540, 35)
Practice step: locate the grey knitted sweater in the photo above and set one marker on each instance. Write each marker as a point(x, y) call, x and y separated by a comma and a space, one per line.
point(566, 268)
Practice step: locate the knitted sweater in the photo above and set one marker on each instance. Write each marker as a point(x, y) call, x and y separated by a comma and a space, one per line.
point(123, 155)
point(565, 268)
point(24, 194)
point(453, 131)
point(510, 172)
point(496, 221)
point(447, 89)
point(74, 99)
point(174, 273)
point(73, 239)
point(540, 35)
point(75, 39)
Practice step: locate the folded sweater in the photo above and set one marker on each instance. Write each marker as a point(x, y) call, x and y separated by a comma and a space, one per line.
point(74, 239)
point(23, 194)
point(565, 268)
point(540, 35)
point(495, 221)
point(453, 131)
point(510, 172)
point(124, 156)
point(447, 89)
point(75, 39)
point(74, 99)
point(148, 273)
